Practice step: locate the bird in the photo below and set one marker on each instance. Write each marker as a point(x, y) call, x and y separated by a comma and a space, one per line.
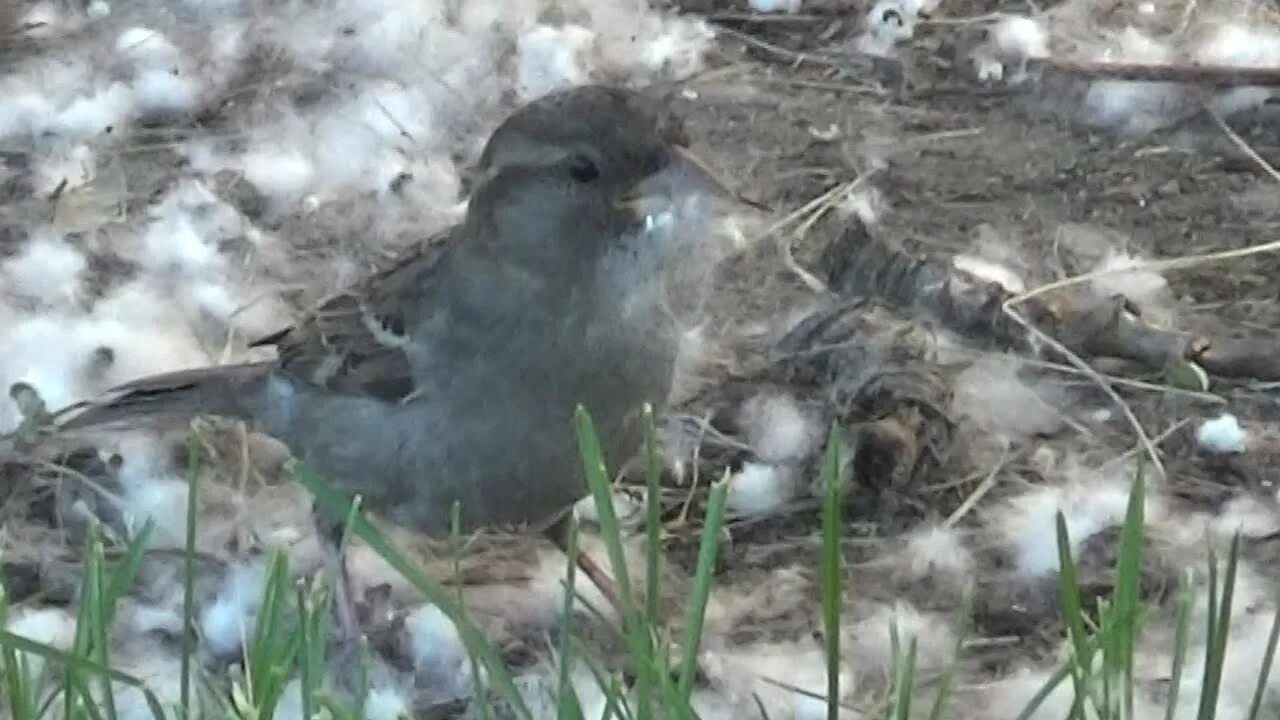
point(453, 375)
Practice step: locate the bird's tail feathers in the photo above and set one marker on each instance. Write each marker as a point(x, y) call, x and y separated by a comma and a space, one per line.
point(229, 390)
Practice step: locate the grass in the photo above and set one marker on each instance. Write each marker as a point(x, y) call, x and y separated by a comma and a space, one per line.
point(288, 640)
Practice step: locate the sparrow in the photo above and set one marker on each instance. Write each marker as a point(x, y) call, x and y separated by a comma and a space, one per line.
point(453, 375)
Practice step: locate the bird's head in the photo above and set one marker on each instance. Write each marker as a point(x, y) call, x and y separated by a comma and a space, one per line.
point(592, 183)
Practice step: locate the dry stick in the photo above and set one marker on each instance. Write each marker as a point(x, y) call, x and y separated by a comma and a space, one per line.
point(1118, 380)
point(1158, 440)
point(979, 492)
point(1214, 75)
point(792, 55)
point(814, 209)
point(1179, 263)
point(1173, 263)
point(807, 693)
point(1093, 375)
point(1244, 146)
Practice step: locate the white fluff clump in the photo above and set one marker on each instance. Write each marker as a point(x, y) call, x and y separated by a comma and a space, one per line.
point(126, 316)
point(989, 271)
point(47, 271)
point(55, 351)
point(1248, 516)
point(761, 489)
point(865, 203)
point(387, 702)
point(228, 621)
point(773, 6)
point(1020, 37)
point(369, 142)
point(1146, 289)
point(1246, 645)
point(626, 507)
point(541, 601)
point(64, 169)
point(186, 225)
point(1134, 107)
point(160, 94)
point(49, 626)
point(742, 675)
point(160, 673)
point(108, 109)
point(871, 638)
point(889, 23)
point(1010, 695)
point(539, 686)
point(38, 353)
point(98, 9)
point(23, 109)
point(1222, 435)
point(151, 490)
point(1012, 42)
point(439, 654)
point(283, 175)
point(48, 20)
point(147, 48)
point(676, 47)
point(1090, 505)
point(1246, 47)
point(937, 550)
point(778, 429)
point(990, 393)
point(550, 58)
point(155, 497)
point(136, 618)
point(289, 706)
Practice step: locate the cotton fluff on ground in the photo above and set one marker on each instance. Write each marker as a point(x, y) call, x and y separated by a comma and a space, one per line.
point(394, 93)
point(1091, 501)
point(1134, 107)
point(216, 165)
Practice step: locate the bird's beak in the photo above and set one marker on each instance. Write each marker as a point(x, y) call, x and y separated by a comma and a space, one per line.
point(686, 175)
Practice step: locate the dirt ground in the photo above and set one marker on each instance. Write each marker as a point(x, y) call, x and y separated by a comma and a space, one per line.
point(955, 166)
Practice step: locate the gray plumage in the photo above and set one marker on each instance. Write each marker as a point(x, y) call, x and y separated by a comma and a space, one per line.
point(454, 375)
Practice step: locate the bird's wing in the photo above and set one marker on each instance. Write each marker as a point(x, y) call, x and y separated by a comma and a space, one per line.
point(356, 341)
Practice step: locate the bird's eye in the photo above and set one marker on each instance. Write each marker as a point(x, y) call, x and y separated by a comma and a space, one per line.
point(582, 169)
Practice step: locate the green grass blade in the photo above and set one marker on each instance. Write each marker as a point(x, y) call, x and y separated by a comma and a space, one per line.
point(569, 707)
point(195, 460)
point(947, 683)
point(1126, 606)
point(274, 648)
point(80, 665)
point(904, 682)
point(832, 568)
point(308, 641)
point(17, 673)
point(1073, 615)
point(697, 610)
point(1216, 651)
point(456, 547)
point(653, 521)
point(639, 639)
point(1037, 700)
point(1264, 673)
point(100, 614)
point(126, 571)
point(88, 704)
point(1182, 626)
point(472, 638)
